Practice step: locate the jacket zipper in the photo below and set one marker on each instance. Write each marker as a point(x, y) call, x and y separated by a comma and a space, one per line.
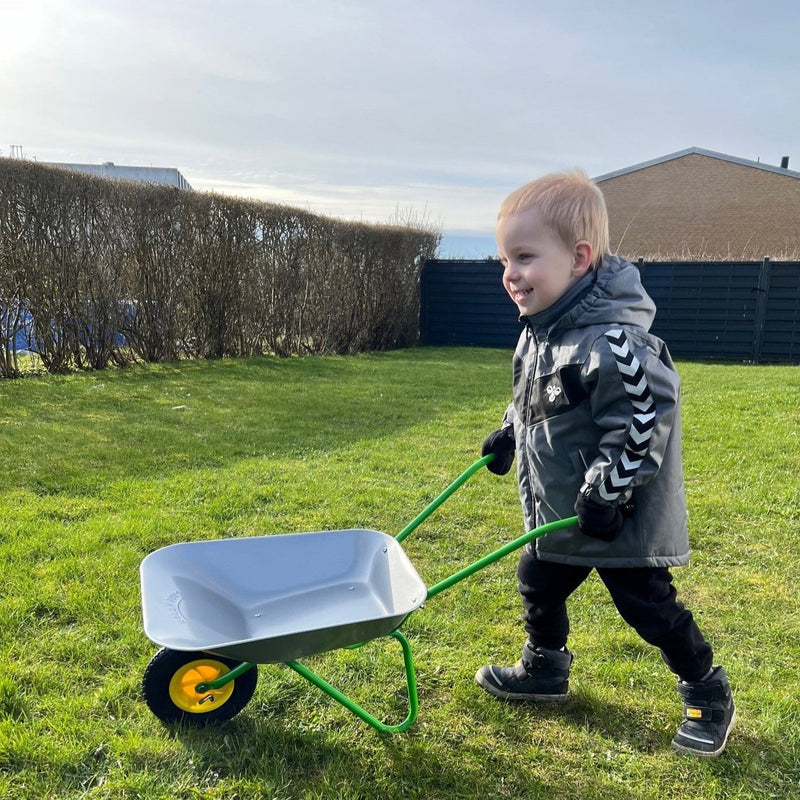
point(527, 411)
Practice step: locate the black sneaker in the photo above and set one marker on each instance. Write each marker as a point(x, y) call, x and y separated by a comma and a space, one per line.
point(540, 674)
point(708, 715)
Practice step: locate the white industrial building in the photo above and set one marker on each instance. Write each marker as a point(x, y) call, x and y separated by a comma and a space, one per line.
point(165, 176)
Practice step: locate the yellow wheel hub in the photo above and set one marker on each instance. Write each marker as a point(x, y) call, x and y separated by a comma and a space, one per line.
point(182, 686)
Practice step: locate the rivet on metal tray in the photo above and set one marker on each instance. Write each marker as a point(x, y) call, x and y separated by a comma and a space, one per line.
point(257, 615)
point(352, 587)
point(385, 549)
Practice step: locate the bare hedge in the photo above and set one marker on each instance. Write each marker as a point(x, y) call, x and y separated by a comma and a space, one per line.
point(95, 272)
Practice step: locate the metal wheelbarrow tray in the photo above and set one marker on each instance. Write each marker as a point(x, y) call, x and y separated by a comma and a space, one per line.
point(219, 607)
point(277, 598)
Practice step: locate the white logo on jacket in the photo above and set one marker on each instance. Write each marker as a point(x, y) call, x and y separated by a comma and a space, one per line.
point(553, 391)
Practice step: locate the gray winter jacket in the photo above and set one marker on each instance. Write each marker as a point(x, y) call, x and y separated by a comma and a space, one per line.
point(596, 409)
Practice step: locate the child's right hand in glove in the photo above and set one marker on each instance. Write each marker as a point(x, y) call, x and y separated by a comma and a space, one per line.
point(501, 445)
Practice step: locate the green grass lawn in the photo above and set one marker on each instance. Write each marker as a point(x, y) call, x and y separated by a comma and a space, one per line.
point(99, 469)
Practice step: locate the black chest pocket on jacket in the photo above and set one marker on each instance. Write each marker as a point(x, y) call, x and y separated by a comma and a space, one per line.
point(555, 394)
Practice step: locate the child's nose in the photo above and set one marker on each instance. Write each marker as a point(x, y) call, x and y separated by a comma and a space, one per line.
point(510, 270)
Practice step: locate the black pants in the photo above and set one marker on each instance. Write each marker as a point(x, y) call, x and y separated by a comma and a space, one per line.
point(644, 597)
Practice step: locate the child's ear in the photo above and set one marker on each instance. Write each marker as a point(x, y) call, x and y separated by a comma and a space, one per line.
point(583, 258)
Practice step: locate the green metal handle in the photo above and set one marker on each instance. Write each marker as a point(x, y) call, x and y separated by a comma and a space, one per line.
point(456, 484)
point(501, 552)
point(516, 544)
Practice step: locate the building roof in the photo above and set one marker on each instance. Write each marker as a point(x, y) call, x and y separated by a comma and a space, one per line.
point(702, 152)
point(698, 204)
point(165, 176)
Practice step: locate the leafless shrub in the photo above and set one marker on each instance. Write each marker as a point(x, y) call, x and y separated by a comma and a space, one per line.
point(102, 271)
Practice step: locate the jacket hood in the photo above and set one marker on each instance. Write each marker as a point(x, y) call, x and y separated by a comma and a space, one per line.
point(615, 296)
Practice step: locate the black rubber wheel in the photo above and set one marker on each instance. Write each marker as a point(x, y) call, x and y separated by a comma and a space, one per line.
point(168, 687)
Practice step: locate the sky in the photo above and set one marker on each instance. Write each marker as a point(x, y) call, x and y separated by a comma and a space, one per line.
point(396, 111)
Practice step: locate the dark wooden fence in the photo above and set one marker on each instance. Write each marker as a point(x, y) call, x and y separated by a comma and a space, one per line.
point(744, 312)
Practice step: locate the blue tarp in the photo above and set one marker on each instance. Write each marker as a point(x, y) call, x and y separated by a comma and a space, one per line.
point(22, 336)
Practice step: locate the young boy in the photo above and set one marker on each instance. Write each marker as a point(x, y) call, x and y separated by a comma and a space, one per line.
point(595, 425)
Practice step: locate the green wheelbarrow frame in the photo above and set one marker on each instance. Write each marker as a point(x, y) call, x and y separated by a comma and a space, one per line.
point(408, 660)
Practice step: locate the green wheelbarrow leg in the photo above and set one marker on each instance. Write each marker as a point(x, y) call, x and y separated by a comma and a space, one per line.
point(361, 713)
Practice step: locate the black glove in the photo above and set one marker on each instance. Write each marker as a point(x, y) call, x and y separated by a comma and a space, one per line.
point(597, 519)
point(501, 445)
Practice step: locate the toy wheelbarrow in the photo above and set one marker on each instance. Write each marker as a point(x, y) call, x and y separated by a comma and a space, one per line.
point(219, 607)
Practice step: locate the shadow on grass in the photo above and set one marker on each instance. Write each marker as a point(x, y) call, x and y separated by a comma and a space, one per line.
point(409, 766)
point(154, 421)
point(294, 738)
point(322, 763)
point(751, 766)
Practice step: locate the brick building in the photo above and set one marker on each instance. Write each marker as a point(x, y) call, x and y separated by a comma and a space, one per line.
point(700, 205)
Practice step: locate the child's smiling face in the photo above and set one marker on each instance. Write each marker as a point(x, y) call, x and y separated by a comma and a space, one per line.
point(538, 267)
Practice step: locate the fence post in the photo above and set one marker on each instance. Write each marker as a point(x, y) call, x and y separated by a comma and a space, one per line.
point(762, 297)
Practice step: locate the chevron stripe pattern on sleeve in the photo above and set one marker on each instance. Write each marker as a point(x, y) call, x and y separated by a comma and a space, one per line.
point(642, 424)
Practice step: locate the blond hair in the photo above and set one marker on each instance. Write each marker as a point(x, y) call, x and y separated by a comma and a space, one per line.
point(571, 206)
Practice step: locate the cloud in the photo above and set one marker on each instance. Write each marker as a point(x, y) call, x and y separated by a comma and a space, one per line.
point(357, 107)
